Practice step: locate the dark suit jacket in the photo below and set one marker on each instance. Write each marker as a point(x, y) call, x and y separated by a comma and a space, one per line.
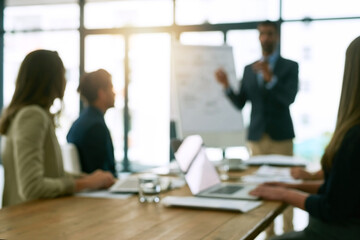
point(270, 111)
point(92, 138)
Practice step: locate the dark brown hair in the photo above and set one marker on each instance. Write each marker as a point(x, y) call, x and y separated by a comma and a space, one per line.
point(275, 25)
point(90, 84)
point(41, 79)
point(349, 107)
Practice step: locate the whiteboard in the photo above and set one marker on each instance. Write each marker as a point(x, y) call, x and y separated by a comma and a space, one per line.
point(203, 106)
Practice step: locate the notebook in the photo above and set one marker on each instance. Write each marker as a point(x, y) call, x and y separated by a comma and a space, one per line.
point(210, 203)
point(276, 160)
point(201, 175)
point(126, 185)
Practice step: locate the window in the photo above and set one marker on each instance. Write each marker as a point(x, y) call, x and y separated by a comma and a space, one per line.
point(320, 53)
point(66, 43)
point(108, 52)
point(298, 9)
point(149, 98)
point(130, 13)
point(149, 31)
point(41, 17)
point(246, 49)
point(30, 25)
point(189, 12)
point(202, 38)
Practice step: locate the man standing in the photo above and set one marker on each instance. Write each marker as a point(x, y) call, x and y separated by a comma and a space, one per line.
point(270, 84)
point(89, 132)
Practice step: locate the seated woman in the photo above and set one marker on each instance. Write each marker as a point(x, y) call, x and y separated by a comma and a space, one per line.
point(31, 154)
point(333, 204)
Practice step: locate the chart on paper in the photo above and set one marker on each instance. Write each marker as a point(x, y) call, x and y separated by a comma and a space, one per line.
point(204, 108)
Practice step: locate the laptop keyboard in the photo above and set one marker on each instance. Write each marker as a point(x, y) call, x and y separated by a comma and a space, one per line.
point(227, 189)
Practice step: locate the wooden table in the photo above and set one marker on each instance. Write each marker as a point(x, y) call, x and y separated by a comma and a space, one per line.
point(93, 218)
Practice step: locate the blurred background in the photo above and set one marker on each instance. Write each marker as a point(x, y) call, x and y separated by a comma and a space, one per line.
point(132, 39)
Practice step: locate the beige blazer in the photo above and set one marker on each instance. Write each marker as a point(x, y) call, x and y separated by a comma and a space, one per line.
point(32, 159)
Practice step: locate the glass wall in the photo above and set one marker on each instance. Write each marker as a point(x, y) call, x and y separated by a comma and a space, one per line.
point(202, 38)
point(108, 52)
point(146, 30)
point(299, 9)
point(128, 13)
point(320, 52)
point(41, 17)
point(149, 98)
point(212, 11)
point(246, 49)
point(23, 35)
point(68, 49)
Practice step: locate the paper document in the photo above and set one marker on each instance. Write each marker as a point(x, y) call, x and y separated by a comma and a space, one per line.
point(276, 160)
point(270, 174)
point(130, 184)
point(103, 194)
point(171, 168)
point(211, 203)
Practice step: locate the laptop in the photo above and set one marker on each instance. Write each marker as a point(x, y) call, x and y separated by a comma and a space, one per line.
point(201, 175)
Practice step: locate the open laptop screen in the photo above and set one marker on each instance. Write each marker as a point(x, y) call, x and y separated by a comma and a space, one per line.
point(200, 173)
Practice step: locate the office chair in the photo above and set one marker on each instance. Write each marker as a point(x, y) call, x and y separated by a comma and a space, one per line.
point(71, 159)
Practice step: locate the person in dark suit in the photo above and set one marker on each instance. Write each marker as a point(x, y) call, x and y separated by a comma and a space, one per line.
point(89, 132)
point(271, 85)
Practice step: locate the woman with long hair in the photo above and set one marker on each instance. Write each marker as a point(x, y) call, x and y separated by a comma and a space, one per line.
point(31, 154)
point(333, 204)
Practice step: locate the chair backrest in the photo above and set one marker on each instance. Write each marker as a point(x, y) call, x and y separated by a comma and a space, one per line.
point(71, 159)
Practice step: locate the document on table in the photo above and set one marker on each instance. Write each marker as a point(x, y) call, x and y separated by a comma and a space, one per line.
point(104, 194)
point(270, 174)
point(171, 168)
point(211, 203)
point(276, 160)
